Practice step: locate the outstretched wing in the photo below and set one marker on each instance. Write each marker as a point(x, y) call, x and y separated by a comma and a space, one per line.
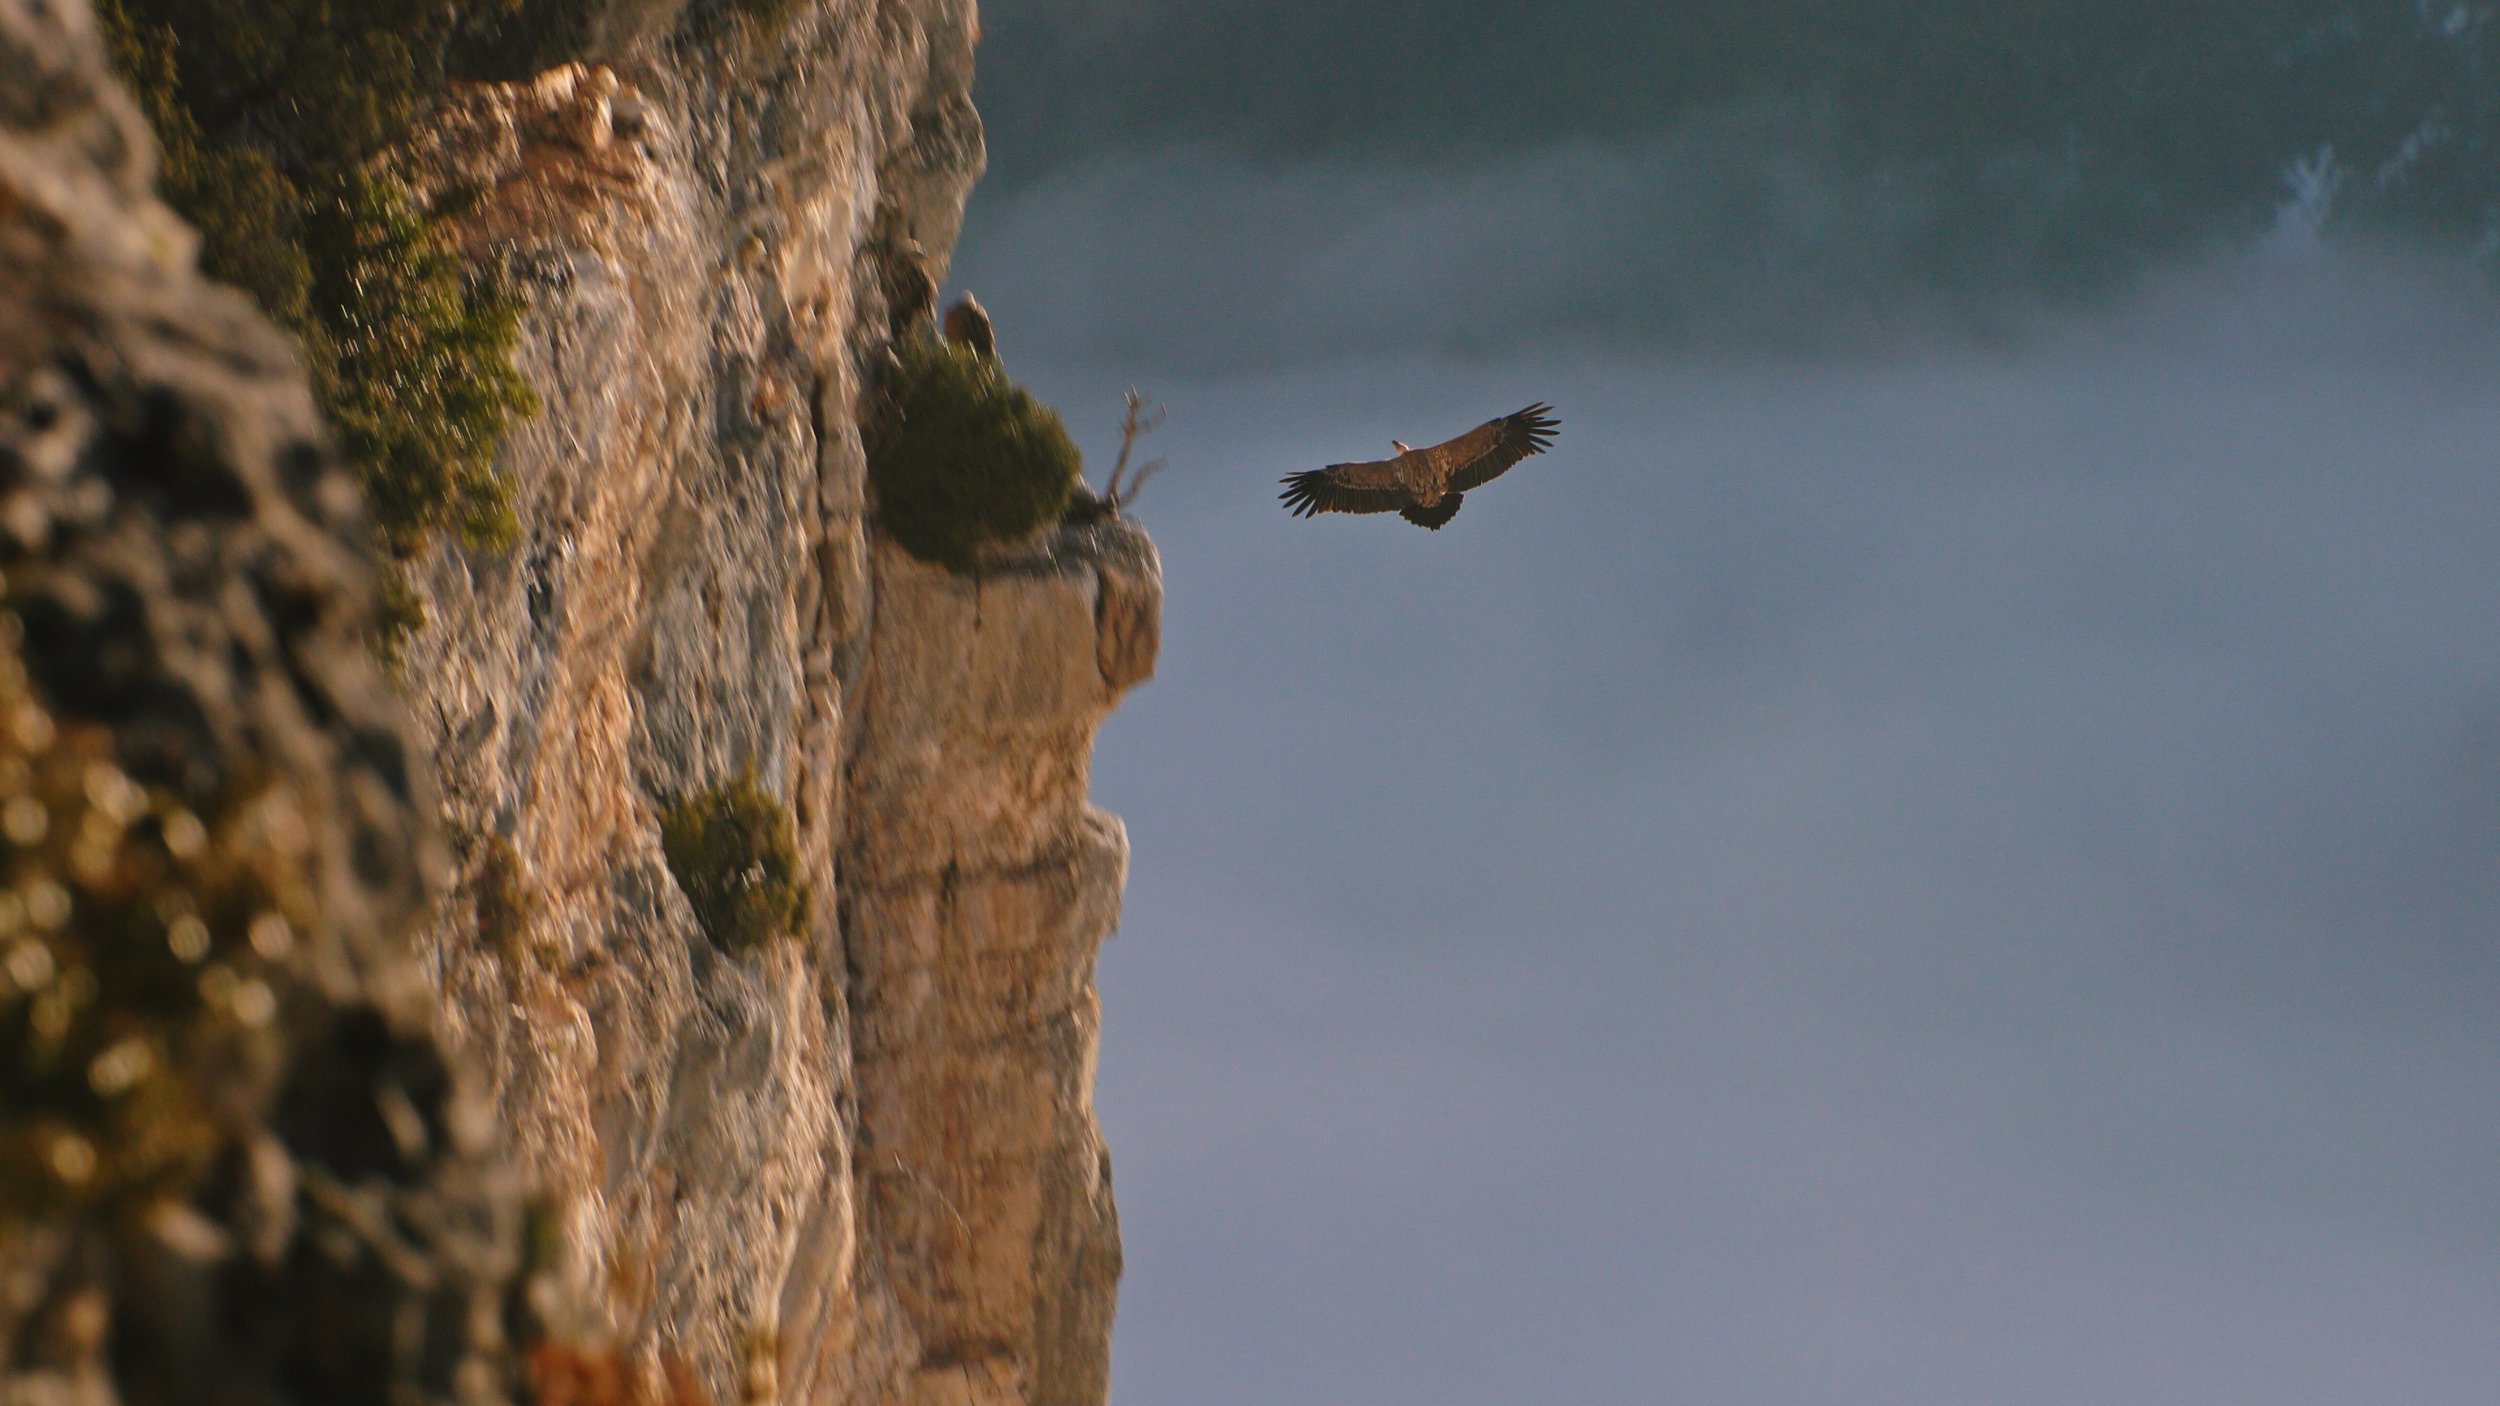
point(1484, 453)
point(1369, 487)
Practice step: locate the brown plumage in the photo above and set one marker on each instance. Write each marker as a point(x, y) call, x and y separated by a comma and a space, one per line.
point(1424, 486)
point(968, 326)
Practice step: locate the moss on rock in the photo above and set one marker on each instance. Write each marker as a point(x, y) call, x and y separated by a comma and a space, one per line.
point(274, 117)
point(414, 369)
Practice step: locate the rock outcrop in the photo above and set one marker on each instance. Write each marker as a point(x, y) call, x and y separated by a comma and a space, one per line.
point(852, 1164)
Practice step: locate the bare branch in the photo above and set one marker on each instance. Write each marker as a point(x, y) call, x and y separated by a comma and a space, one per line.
point(1121, 489)
point(1144, 472)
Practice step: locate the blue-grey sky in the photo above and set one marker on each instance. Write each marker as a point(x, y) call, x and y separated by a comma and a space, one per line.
point(1943, 847)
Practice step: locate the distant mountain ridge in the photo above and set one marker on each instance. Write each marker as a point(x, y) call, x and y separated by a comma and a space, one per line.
point(2125, 130)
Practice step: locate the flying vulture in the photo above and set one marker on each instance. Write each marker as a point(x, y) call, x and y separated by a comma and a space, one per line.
point(1423, 486)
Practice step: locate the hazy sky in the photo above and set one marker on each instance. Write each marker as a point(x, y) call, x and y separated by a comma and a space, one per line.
point(1938, 850)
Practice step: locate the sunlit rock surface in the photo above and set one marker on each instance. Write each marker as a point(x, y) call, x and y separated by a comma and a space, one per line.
point(861, 1165)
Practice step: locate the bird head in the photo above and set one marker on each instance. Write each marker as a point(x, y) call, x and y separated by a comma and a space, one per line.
point(1401, 446)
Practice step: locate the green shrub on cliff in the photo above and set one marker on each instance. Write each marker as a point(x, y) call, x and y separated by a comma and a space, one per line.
point(271, 114)
point(731, 850)
point(962, 457)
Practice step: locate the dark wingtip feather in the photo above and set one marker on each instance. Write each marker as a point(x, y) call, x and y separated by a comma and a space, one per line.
point(1301, 495)
point(1538, 425)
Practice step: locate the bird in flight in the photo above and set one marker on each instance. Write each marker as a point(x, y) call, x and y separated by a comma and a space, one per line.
point(1423, 486)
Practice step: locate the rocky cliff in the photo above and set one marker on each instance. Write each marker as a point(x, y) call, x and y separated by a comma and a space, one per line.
point(854, 1163)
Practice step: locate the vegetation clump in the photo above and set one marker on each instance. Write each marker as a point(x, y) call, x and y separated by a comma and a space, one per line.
point(734, 856)
point(962, 457)
point(274, 117)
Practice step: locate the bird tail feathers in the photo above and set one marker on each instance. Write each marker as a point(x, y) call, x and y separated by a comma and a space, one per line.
point(1433, 517)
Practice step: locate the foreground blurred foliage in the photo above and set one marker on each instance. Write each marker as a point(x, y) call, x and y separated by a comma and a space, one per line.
point(961, 456)
point(271, 115)
point(136, 937)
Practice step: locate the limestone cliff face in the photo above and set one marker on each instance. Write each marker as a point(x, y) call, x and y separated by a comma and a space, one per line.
point(859, 1165)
